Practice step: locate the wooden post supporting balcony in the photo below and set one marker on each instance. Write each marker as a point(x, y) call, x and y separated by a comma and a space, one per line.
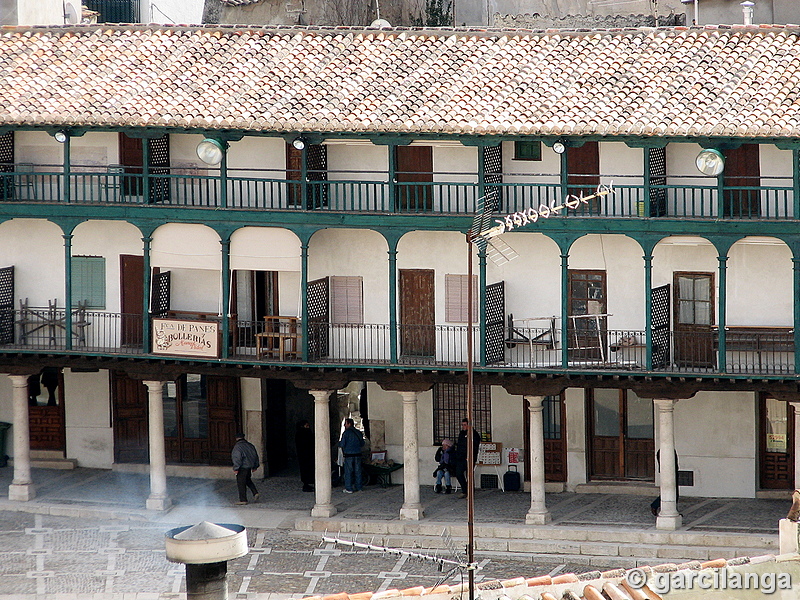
point(796, 304)
point(392, 166)
point(68, 290)
point(226, 296)
point(722, 360)
point(146, 283)
point(146, 171)
point(67, 169)
point(648, 307)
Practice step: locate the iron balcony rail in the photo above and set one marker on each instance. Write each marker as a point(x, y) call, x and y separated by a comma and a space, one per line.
point(749, 350)
point(372, 192)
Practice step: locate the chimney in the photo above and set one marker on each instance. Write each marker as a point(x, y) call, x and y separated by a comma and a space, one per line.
point(747, 12)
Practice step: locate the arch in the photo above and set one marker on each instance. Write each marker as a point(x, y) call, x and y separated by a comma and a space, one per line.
point(39, 275)
point(265, 249)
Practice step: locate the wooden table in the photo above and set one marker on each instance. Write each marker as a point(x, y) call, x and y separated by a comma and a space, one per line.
point(281, 338)
point(383, 474)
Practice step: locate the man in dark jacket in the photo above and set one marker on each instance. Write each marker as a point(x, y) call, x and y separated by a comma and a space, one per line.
point(461, 454)
point(351, 443)
point(245, 461)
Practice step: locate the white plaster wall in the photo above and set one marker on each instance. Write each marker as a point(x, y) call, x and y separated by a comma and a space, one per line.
point(289, 293)
point(36, 249)
point(575, 405)
point(7, 412)
point(264, 249)
point(196, 290)
point(715, 436)
point(41, 12)
point(621, 258)
point(87, 414)
point(108, 239)
point(507, 428)
point(251, 416)
point(181, 245)
point(359, 253)
point(356, 159)
point(172, 12)
point(545, 170)
point(760, 284)
point(250, 157)
point(622, 162)
point(683, 253)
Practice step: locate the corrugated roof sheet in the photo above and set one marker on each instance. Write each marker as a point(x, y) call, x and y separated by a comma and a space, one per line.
point(664, 82)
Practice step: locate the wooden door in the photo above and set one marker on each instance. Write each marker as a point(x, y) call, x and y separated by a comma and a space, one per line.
point(224, 407)
point(414, 164)
point(130, 419)
point(583, 175)
point(46, 410)
point(417, 316)
point(587, 297)
point(294, 170)
point(742, 178)
point(132, 159)
point(775, 444)
point(555, 438)
point(132, 292)
point(621, 435)
point(694, 319)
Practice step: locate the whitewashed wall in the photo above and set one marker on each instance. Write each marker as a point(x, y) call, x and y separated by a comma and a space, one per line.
point(759, 290)
point(172, 12)
point(87, 414)
point(36, 249)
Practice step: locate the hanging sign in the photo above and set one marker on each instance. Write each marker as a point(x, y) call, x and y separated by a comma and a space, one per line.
point(186, 338)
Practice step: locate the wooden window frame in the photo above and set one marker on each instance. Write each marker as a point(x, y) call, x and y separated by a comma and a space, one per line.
point(530, 150)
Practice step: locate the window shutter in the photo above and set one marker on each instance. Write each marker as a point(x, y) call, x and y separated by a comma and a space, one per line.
point(346, 300)
point(456, 292)
point(89, 281)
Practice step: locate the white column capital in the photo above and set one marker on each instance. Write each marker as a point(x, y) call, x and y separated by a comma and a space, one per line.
point(409, 396)
point(321, 396)
point(19, 381)
point(665, 404)
point(535, 403)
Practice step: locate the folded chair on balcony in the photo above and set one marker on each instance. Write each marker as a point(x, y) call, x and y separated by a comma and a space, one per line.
point(112, 186)
point(26, 184)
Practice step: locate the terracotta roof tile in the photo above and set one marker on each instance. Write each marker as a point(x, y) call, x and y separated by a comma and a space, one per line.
point(711, 81)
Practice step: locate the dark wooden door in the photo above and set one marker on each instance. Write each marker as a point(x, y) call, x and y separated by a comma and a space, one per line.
point(414, 164)
point(132, 159)
point(775, 444)
point(294, 170)
point(587, 333)
point(694, 319)
point(46, 410)
point(417, 316)
point(583, 175)
point(130, 419)
point(132, 304)
point(555, 438)
point(742, 178)
point(224, 404)
point(621, 438)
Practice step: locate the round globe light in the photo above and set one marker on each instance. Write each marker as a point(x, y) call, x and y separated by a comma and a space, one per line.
point(210, 151)
point(299, 143)
point(60, 136)
point(559, 148)
point(710, 162)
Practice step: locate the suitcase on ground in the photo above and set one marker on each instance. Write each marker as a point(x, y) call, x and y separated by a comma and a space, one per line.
point(512, 482)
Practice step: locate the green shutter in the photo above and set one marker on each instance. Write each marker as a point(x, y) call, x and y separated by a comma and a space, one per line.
point(89, 281)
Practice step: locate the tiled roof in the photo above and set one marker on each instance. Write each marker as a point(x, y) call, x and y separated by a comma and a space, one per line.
point(619, 584)
point(665, 82)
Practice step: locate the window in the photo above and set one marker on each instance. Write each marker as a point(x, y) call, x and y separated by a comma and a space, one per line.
point(456, 293)
point(346, 300)
point(450, 406)
point(528, 150)
point(89, 281)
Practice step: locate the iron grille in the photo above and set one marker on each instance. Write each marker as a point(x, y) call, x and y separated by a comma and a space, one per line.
point(659, 325)
point(7, 305)
point(159, 168)
point(493, 173)
point(115, 11)
point(450, 406)
point(7, 166)
point(317, 171)
point(495, 322)
point(657, 162)
point(552, 417)
point(159, 303)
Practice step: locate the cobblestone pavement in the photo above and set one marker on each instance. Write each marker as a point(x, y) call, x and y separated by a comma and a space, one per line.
point(42, 555)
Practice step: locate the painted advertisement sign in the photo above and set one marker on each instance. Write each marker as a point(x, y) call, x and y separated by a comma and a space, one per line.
point(186, 338)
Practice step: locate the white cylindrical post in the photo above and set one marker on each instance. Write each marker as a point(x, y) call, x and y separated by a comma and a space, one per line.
point(411, 509)
point(537, 513)
point(796, 406)
point(21, 487)
point(323, 507)
point(158, 499)
point(668, 517)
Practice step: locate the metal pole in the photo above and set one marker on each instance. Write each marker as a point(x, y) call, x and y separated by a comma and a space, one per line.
point(470, 443)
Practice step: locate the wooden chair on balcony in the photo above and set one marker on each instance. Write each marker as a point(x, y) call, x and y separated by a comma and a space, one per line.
point(281, 338)
point(26, 184)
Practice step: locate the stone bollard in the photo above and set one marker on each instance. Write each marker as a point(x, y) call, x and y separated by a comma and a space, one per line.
point(205, 549)
point(787, 536)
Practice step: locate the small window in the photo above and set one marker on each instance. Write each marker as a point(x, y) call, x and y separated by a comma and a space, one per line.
point(89, 281)
point(346, 300)
point(450, 406)
point(456, 293)
point(528, 150)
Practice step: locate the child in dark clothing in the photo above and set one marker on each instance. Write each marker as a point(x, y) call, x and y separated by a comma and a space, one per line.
point(445, 459)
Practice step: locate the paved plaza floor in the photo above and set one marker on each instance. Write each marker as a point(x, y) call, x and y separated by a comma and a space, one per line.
point(87, 535)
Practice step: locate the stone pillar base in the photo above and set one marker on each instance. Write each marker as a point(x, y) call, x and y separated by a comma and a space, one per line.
point(21, 492)
point(787, 532)
point(669, 523)
point(538, 518)
point(323, 510)
point(158, 503)
point(411, 513)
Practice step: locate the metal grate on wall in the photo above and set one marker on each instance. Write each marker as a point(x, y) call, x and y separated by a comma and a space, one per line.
point(450, 406)
point(115, 11)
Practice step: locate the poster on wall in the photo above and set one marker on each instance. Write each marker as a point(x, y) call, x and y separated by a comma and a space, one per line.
point(186, 338)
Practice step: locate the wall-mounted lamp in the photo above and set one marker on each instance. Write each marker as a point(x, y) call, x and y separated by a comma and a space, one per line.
point(559, 148)
point(210, 151)
point(60, 136)
point(710, 162)
point(299, 143)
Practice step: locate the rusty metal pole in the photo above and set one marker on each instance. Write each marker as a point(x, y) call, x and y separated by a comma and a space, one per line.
point(470, 443)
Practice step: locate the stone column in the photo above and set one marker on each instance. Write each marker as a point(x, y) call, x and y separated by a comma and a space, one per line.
point(796, 406)
point(668, 518)
point(158, 499)
point(411, 509)
point(21, 487)
point(323, 507)
point(537, 513)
